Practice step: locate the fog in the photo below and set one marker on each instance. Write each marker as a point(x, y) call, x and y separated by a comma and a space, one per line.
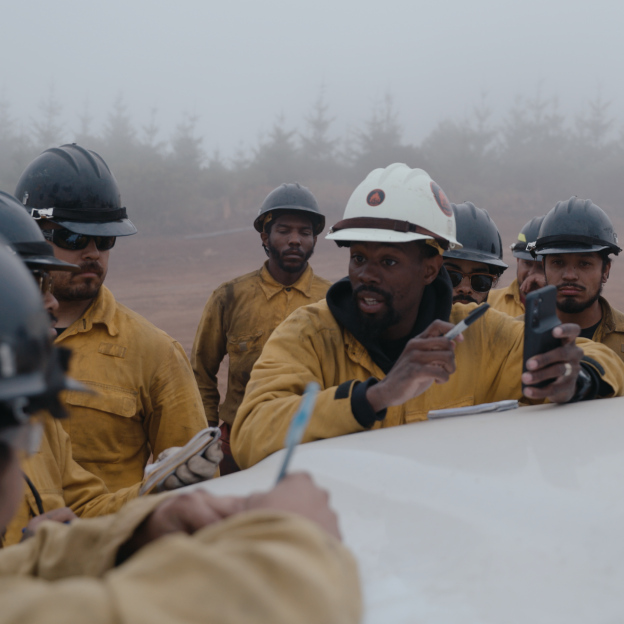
point(238, 64)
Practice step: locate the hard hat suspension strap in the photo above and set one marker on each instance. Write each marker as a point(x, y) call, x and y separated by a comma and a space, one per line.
point(379, 223)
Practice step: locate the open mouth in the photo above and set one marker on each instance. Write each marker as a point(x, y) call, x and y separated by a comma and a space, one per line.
point(371, 305)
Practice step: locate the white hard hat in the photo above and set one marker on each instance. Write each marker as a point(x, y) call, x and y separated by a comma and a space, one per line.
point(397, 205)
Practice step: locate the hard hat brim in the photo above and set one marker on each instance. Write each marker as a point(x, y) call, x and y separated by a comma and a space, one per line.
point(46, 263)
point(372, 235)
point(314, 216)
point(551, 251)
point(523, 255)
point(121, 227)
point(473, 256)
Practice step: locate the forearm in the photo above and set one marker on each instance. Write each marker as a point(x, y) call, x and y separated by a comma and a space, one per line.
point(262, 421)
point(254, 567)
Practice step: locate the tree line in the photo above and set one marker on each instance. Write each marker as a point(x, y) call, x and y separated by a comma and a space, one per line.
point(520, 165)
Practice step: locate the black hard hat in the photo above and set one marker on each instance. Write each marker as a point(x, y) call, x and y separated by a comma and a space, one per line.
point(478, 235)
point(24, 237)
point(291, 198)
point(575, 226)
point(74, 187)
point(32, 371)
point(527, 235)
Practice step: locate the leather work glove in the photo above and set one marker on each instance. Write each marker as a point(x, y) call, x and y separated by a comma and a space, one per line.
point(200, 467)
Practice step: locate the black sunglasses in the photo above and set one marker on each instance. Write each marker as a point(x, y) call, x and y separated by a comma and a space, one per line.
point(75, 242)
point(479, 282)
point(44, 280)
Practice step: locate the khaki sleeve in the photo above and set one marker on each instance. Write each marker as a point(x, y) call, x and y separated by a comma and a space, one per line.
point(260, 567)
point(176, 409)
point(295, 354)
point(502, 347)
point(85, 493)
point(209, 349)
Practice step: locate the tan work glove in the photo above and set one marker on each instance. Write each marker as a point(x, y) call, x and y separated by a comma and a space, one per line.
point(200, 467)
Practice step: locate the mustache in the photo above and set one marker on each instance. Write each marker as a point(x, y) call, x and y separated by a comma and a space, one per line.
point(91, 266)
point(371, 289)
point(568, 285)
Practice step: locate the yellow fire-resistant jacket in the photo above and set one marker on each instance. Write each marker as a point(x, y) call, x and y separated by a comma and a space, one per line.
point(61, 482)
point(238, 319)
point(507, 300)
point(311, 346)
point(610, 332)
point(258, 567)
point(147, 399)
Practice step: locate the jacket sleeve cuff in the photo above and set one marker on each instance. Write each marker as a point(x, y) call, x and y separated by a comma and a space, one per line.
point(361, 408)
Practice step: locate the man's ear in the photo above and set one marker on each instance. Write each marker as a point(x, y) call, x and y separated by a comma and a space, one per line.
point(605, 273)
point(265, 238)
point(432, 267)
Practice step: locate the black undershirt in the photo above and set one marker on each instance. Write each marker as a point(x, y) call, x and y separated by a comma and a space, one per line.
point(590, 331)
point(60, 330)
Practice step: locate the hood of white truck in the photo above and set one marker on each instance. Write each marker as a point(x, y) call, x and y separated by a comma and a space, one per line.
point(510, 517)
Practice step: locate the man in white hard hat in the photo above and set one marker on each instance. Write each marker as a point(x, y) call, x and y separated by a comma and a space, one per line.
point(376, 345)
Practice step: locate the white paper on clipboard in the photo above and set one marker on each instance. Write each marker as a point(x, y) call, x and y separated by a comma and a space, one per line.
point(499, 406)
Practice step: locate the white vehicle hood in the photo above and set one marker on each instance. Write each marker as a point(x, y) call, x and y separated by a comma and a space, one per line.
point(512, 517)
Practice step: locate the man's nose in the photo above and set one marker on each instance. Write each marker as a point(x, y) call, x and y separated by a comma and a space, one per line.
point(464, 286)
point(369, 274)
point(569, 273)
point(91, 251)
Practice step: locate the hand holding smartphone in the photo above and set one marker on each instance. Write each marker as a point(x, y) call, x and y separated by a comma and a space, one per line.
point(540, 318)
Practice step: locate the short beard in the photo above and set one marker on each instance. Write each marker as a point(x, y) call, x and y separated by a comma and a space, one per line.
point(570, 306)
point(65, 290)
point(288, 268)
point(370, 326)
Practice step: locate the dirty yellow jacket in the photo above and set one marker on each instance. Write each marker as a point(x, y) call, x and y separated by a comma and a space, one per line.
point(238, 319)
point(61, 482)
point(311, 346)
point(610, 332)
point(507, 300)
point(147, 399)
point(259, 567)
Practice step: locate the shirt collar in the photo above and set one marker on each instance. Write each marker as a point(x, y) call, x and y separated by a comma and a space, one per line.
point(102, 310)
point(271, 286)
point(514, 291)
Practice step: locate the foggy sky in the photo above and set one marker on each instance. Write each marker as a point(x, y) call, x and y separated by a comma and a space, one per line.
point(237, 64)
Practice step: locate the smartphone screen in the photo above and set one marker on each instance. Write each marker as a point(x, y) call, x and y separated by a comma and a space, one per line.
point(540, 318)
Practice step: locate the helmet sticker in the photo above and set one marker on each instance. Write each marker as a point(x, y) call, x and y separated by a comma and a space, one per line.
point(441, 199)
point(374, 198)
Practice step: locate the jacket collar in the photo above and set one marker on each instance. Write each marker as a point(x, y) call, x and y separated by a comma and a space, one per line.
point(101, 311)
point(271, 286)
point(513, 290)
point(612, 319)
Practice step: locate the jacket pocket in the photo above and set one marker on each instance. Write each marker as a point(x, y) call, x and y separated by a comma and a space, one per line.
point(111, 399)
point(104, 427)
point(246, 343)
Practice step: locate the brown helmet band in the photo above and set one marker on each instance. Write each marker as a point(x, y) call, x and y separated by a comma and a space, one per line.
point(379, 223)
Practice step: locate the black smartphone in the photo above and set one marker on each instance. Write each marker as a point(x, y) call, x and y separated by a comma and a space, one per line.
point(540, 318)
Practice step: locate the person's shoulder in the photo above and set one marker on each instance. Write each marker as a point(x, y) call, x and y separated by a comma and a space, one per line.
point(311, 318)
point(136, 326)
point(321, 281)
point(236, 285)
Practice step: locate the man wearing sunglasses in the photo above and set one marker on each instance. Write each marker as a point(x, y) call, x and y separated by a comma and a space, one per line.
point(146, 398)
point(26, 239)
point(476, 267)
